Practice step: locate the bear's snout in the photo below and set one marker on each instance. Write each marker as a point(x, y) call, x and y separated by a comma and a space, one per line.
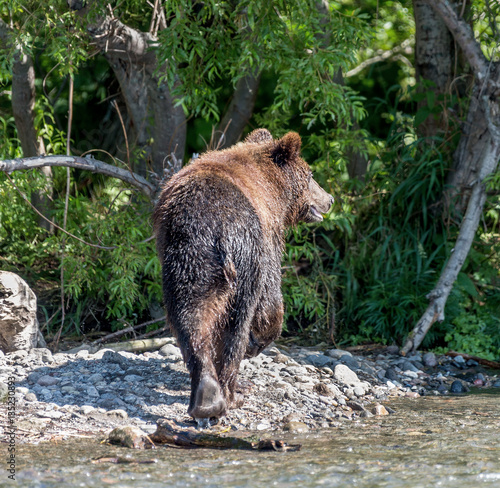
point(320, 202)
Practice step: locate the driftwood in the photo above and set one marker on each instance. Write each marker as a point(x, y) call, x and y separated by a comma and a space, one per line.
point(122, 460)
point(173, 435)
point(167, 432)
point(484, 362)
point(129, 346)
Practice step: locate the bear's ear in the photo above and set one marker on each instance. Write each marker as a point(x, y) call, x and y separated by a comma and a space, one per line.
point(287, 148)
point(259, 136)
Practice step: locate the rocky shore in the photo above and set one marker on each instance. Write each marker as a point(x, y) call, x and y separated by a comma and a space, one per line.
point(63, 395)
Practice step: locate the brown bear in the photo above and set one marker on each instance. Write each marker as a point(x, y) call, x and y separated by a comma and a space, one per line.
point(220, 225)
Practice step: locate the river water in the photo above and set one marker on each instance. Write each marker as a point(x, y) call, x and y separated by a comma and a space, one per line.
point(451, 441)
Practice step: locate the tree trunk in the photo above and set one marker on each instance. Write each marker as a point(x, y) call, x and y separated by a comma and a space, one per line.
point(23, 105)
point(135, 94)
point(467, 159)
point(152, 109)
point(239, 111)
point(434, 62)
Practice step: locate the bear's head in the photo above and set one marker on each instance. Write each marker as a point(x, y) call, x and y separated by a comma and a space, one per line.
point(308, 201)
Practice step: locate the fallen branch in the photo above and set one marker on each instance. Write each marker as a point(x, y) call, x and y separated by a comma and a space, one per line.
point(87, 164)
point(484, 362)
point(129, 346)
point(130, 328)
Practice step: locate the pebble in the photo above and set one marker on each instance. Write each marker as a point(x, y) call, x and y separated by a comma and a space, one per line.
point(338, 353)
point(297, 389)
point(4, 390)
point(391, 374)
point(170, 350)
point(379, 410)
point(349, 361)
point(318, 360)
point(430, 360)
point(47, 380)
point(295, 427)
point(457, 386)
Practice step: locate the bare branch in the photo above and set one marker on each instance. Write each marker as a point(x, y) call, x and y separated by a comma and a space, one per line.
point(87, 164)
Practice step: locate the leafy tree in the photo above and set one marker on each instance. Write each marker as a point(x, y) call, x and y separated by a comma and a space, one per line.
point(174, 71)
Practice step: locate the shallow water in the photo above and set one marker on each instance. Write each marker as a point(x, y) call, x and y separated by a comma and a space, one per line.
point(449, 441)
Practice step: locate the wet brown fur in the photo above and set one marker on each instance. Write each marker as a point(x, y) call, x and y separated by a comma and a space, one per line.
point(220, 225)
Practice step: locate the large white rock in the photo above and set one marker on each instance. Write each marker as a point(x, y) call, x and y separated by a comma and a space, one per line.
point(345, 375)
point(18, 322)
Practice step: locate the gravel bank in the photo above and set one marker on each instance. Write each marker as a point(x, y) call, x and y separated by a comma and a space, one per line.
point(64, 395)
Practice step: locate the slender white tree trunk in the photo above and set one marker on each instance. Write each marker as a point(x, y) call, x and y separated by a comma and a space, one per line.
point(487, 149)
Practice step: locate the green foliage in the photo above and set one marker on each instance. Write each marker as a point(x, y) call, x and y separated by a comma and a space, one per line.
point(399, 243)
point(374, 258)
point(102, 286)
point(308, 288)
point(476, 335)
point(217, 41)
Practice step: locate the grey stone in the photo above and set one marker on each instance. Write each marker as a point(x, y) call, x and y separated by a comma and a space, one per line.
point(133, 378)
point(344, 375)
point(16, 355)
point(410, 374)
point(22, 390)
point(47, 394)
point(457, 387)
point(4, 390)
point(170, 350)
point(50, 414)
point(391, 374)
point(108, 356)
point(318, 360)
point(409, 366)
point(60, 357)
point(47, 380)
point(338, 353)
point(95, 378)
point(359, 391)
point(18, 322)
point(295, 427)
point(348, 360)
point(43, 354)
point(430, 360)
point(92, 391)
